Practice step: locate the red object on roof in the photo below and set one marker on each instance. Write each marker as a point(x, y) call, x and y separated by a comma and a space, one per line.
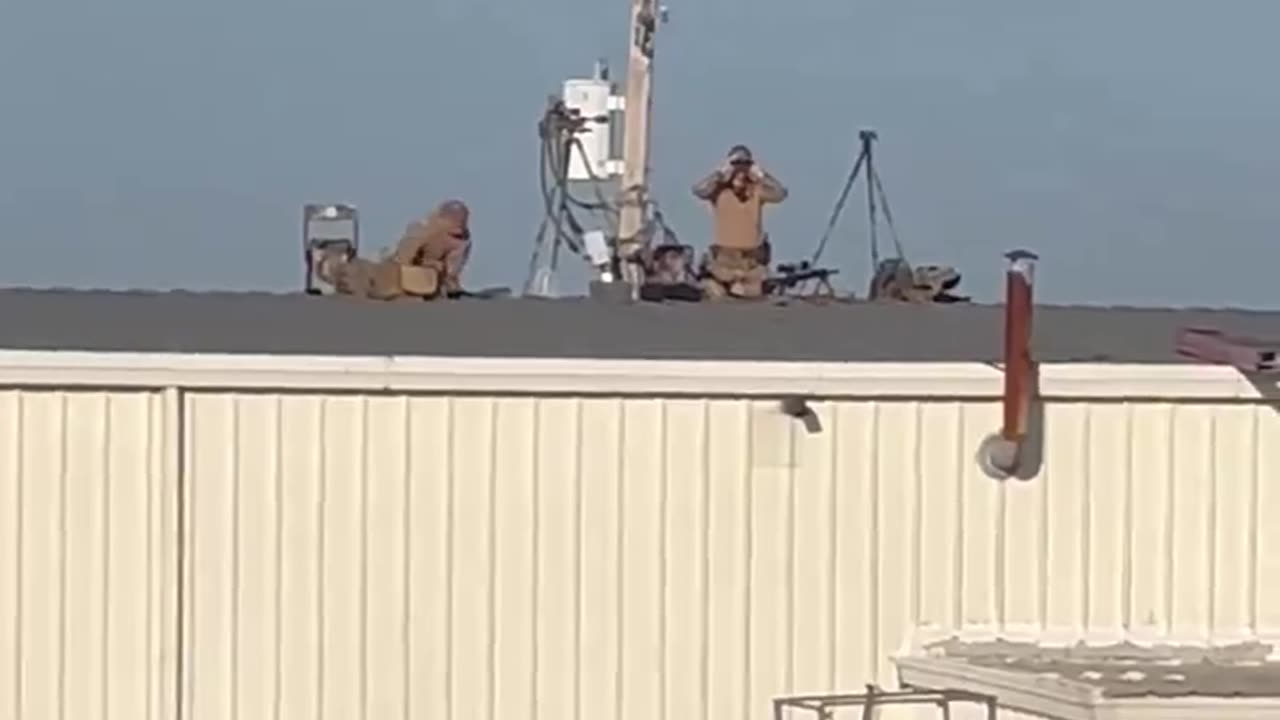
point(1214, 346)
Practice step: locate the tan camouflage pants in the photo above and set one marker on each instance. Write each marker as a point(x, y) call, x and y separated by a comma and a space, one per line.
point(733, 272)
point(383, 280)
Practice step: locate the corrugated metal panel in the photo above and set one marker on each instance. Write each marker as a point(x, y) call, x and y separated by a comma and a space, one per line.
point(85, 510)
point(637, 559)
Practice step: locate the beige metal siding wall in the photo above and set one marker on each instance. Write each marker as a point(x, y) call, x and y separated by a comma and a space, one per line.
point(635, 559)
point(86, 568)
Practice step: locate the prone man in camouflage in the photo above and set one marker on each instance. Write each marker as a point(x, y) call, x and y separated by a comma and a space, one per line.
point(737, 263)
point(427, 263)
point(896, 280)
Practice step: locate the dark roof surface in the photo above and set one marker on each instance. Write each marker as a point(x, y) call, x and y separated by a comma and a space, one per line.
point(582, 328)
point(1127, 670)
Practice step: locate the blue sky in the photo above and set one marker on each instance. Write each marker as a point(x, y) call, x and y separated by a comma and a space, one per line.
point(169, 143)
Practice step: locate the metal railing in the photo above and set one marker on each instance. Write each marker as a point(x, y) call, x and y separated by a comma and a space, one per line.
point(825, 705)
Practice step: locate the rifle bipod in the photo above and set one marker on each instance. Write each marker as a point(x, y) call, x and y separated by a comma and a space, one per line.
point(801, 279)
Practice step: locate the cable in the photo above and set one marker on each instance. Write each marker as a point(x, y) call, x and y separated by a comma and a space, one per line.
point(557, 141)
point(559, 165)
point(602, 204)
point(566, 130)
point(558, 131)
point(548, 203)
point(553, 212)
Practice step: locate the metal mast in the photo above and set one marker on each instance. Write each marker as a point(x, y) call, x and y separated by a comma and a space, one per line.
point(635, 127)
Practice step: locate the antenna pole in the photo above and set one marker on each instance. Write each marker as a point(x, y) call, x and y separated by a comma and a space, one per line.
point(635, 128)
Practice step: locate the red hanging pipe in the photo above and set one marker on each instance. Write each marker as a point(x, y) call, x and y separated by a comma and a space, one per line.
point(1001, 453)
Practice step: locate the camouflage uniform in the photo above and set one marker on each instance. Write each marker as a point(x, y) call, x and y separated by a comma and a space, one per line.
point(896, 280)
point(738, 272)
point(429, 259)
point(737, 262)
point(440, 244)
point(361, 277)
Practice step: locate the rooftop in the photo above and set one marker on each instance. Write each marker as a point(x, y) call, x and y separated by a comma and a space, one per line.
point(1127, 670)
point(225, 322)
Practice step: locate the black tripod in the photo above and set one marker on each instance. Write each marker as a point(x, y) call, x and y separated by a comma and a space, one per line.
point(875, 189)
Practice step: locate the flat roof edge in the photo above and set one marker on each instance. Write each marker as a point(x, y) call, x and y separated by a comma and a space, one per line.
point(615, 377)
point(1071, 700)
point(1196, 707)
point(1046, 697)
